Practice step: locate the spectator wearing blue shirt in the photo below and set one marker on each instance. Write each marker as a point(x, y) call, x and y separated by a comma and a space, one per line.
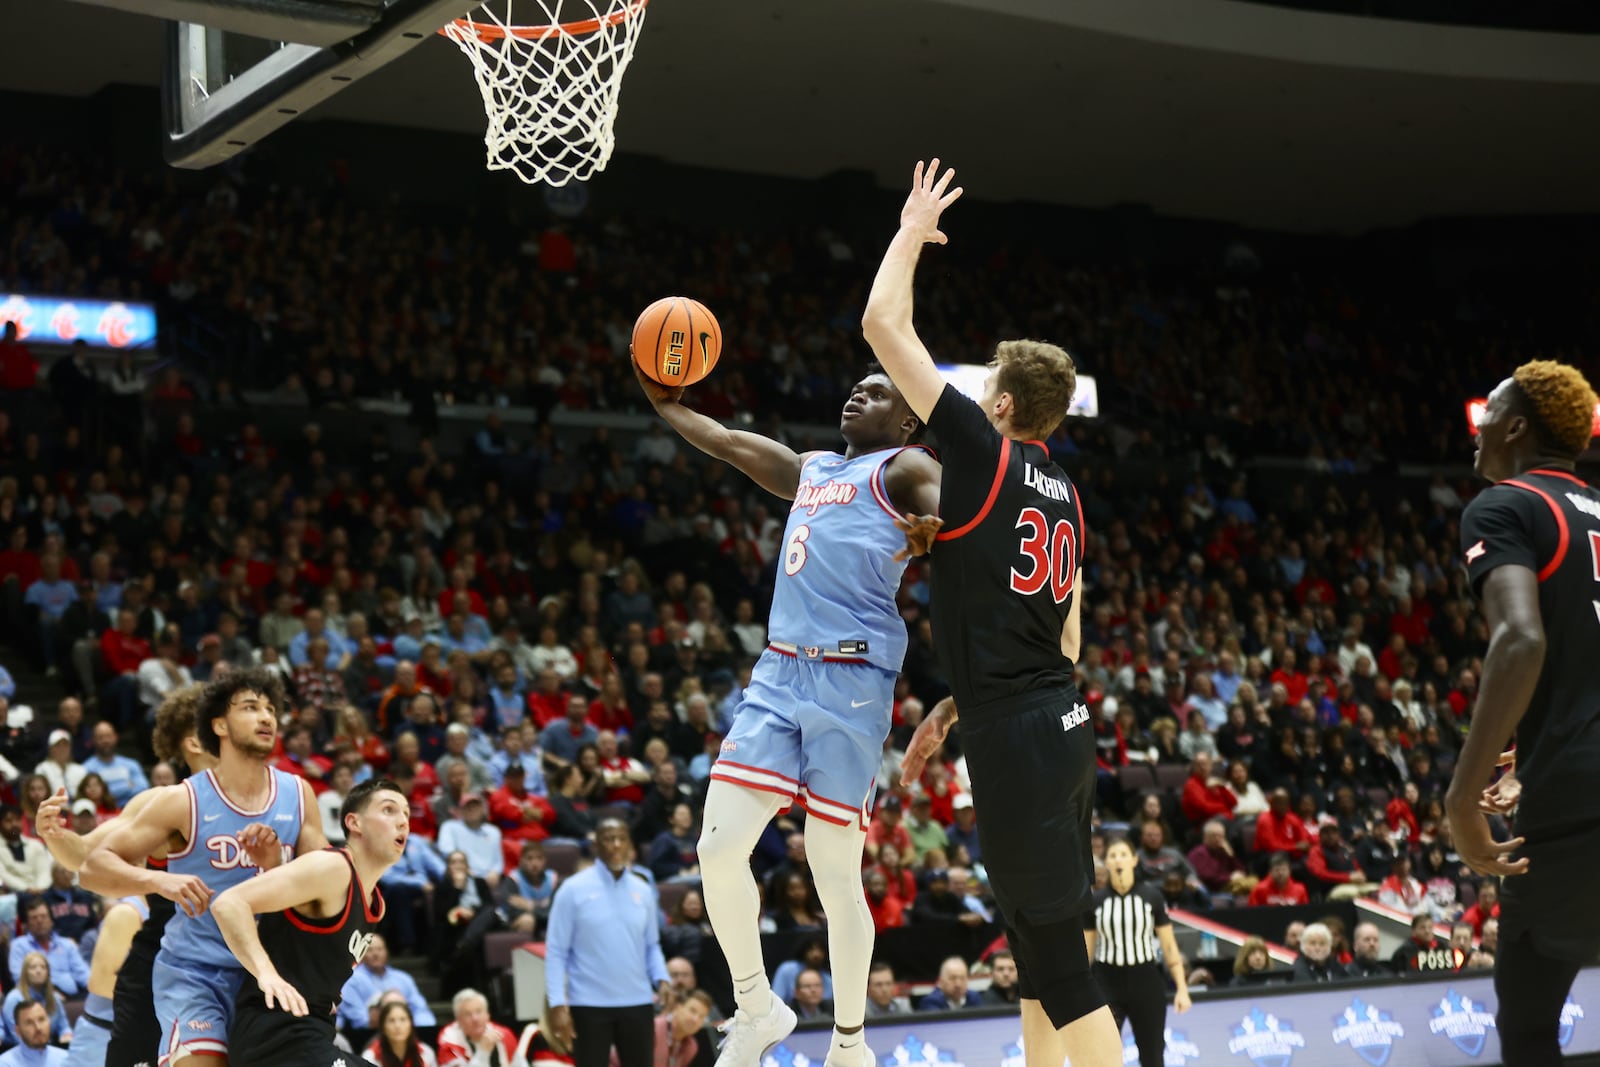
point(508, 699)
point(316, 625)
point(951, 992)
point(68, 972)
point(123, 776)
point(73, 910)
point(51, 595)
point(31, 1024)
point(812, 956)
point(476, 838)
point(525, 895)
point(369, 981)
point(8, 684)
point(1226, 678)
point(604, 971)
point(405, 889)
point(564, 737)
point(964, 831)
point(36, 986)
point(511, 752)
point(458, 636)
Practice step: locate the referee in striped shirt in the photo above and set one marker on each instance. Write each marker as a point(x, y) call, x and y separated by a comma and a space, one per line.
point(1122, 933)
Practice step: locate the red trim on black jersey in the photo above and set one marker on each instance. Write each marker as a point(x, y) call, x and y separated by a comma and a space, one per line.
point(1561, 526)
point(1568, 475)
point(304, 923)
point(994, 492)
point(1077, 498)
point(1041, 444)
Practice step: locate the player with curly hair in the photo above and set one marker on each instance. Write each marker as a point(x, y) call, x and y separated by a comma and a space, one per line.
point(1532, 549)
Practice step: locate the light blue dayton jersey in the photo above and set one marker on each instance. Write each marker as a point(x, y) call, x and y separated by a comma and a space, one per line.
point(837, 575)
point(213, 853)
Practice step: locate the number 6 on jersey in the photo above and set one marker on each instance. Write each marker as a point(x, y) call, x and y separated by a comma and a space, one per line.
point(1052, 554)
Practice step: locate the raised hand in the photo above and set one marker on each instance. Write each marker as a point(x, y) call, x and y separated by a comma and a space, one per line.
point(48, 821)
point(920, 531)
point(930, 195)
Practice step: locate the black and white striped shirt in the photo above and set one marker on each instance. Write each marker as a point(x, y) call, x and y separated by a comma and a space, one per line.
point(1125, 925)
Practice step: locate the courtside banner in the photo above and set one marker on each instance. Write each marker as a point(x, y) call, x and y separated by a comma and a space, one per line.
point(1438, 1023)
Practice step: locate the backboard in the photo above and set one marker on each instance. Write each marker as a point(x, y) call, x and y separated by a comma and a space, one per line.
point(236, 70)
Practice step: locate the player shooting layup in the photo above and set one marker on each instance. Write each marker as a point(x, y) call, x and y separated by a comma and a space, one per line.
point(812, 722)
point(1005, 619)
point(1532, 550)
point(232, 820)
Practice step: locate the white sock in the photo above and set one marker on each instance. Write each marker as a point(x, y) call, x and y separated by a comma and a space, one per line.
point(835, 856)
point(753, 994)
point(734, 819)
point(847, 1050)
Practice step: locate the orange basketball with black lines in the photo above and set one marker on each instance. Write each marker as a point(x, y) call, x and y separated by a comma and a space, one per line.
point(676, 341)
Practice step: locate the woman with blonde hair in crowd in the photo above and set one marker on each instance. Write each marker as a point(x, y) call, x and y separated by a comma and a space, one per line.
point(33, 983)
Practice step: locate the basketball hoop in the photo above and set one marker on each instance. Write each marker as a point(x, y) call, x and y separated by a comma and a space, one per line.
point(550, 89)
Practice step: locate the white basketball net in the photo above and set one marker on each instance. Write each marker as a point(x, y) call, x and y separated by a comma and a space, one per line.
point(550, 72)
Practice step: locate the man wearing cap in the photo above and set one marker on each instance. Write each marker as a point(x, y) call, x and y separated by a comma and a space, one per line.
point(964, 830)
point(58, 767)
point(473, 835)
point(85, 816)
point(886, 829)
point(1332, 866)
point(923, 829)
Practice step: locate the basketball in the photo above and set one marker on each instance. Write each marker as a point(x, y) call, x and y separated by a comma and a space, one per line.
point(676, 341)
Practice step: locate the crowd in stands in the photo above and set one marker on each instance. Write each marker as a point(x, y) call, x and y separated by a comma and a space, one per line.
point(1278, 679)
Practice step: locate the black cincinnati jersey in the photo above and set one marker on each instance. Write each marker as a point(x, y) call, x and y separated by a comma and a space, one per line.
point(1005, 566)
point(1549, 522)
point(315, 956)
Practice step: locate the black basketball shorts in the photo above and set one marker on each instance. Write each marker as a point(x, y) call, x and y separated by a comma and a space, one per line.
point(1032, 765)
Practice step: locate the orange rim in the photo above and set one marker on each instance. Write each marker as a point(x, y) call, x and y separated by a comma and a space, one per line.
point(488, 31)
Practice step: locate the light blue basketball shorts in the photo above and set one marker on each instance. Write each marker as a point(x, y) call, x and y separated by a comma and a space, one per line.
point(812, 730)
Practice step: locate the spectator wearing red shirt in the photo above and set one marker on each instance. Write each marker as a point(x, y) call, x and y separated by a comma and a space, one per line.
point(1291, 679)
point(1205, 796)
point(460, 593)
point(19, 371)
point(122, 650)
point(609, 710)
point(1280, 830)
point(885, 829)
point(300, 761)
point(521, 815)
point(1486, 908)
point(548, 701)
point(1279, 887)
point(1332, 863)
point(887, 910)
point(625, 778)
point(17, 560)
point(1400, 813)
point(898, 880)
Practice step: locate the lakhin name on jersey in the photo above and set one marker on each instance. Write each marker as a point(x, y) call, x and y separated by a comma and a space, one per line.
point(1044, 485)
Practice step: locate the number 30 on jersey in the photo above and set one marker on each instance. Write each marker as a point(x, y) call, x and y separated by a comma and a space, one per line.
point(1051, 553)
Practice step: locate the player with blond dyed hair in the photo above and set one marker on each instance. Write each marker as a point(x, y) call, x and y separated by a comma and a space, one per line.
point(1531, 544)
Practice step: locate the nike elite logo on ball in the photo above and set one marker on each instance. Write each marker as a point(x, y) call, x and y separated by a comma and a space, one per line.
point(705, 352)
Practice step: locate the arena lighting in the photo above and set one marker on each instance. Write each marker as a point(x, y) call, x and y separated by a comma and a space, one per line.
point(60, 320)
point(968, 378)
point(1475, 413)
